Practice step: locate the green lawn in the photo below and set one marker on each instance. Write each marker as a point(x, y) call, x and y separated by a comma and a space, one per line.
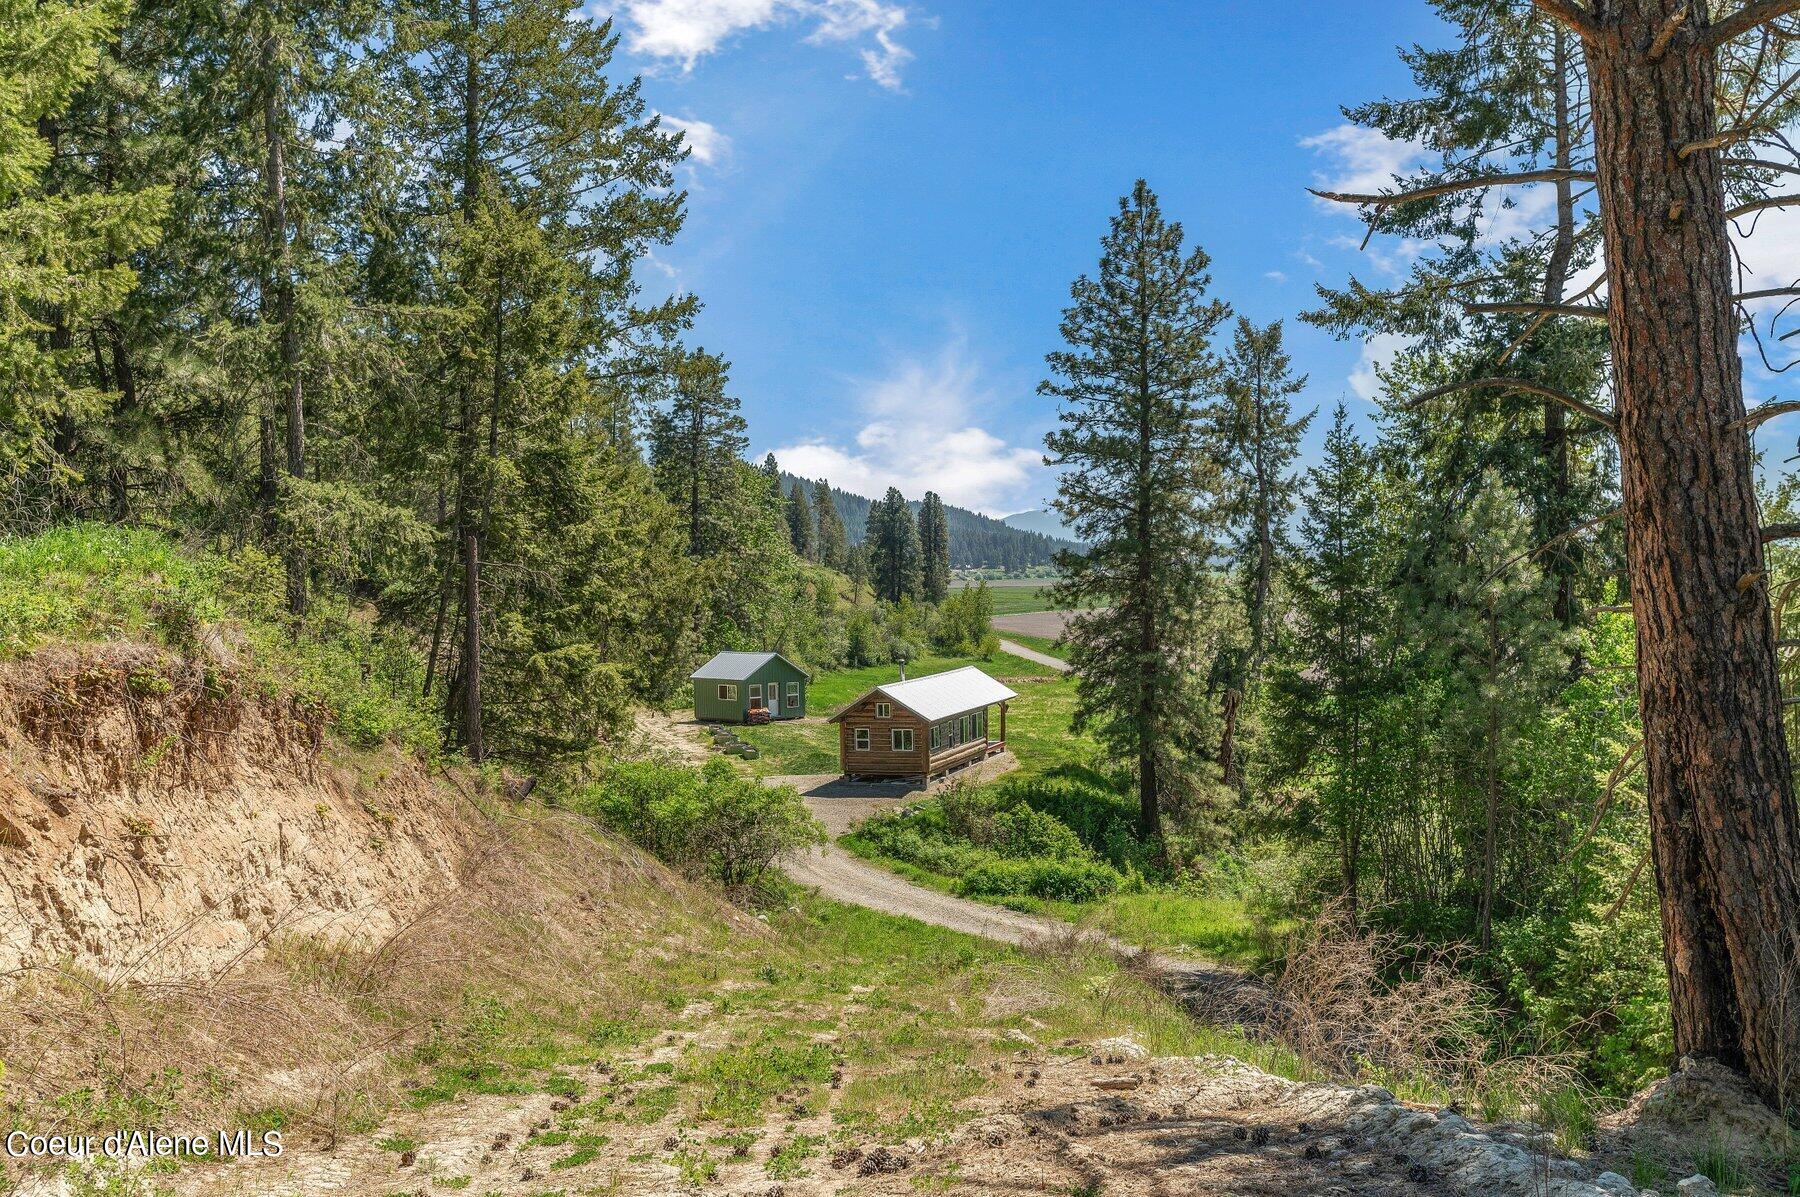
point(1013, 596)
point(1159, 919)
point(830, 693)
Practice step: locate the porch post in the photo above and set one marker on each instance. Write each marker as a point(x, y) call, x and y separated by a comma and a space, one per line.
point(1003, 725)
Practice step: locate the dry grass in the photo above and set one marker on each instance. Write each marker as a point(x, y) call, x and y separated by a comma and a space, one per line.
point(547, 923)
point(1359, 1004)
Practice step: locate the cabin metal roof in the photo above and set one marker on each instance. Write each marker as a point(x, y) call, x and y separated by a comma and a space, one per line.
point(941, 695)
point(737, 667)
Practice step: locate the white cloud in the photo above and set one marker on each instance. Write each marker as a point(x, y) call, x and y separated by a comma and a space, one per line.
point(685, 31)
point(1275, 276)
point(1365, 160)
point(706, 144)
point(1378, 353)
point(918, 434)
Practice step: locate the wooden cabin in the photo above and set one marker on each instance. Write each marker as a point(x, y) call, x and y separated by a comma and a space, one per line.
point(923, 728)
point(732, 685)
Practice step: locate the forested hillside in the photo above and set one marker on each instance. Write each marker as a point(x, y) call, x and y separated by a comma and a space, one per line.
point(343, 319)
point(976, 541)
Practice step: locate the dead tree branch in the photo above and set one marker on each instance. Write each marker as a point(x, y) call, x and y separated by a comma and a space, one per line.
point(1516, 384)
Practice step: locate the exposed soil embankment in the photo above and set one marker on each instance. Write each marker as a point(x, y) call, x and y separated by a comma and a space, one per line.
point(159, 819)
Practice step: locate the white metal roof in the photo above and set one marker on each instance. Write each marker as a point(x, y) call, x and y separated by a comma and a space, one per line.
point(736, 667)
point(945, 694)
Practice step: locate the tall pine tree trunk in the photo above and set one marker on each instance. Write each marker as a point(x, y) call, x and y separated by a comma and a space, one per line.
point(466, 695)
point(1720, 784)
point(280, 268)
point(1555, 444)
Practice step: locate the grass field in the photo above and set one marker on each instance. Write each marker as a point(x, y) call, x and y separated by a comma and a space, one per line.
point(1014, 596)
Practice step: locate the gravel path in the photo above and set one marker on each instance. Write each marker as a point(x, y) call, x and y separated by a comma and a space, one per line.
point(1032, 654)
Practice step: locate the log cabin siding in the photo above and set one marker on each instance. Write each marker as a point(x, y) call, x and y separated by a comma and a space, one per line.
point(881, 759)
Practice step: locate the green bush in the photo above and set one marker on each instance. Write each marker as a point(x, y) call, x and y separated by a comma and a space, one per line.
point(712, 822)
point(994, 844)
point(89, 582)
point(1023, 832)
point(1057, 880)
point(965, 623)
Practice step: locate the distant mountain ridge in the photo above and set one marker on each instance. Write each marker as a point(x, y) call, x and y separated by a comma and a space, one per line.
point(976, 541)
point(1044, 523)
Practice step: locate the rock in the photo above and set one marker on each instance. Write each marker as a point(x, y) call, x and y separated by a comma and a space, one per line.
point(1124, 1047)
point(1615, 1185)
point(1701, 1105)
point(1697, 1186)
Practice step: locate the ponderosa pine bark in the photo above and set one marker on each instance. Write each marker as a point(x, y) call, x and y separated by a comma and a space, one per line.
point(1718, 774)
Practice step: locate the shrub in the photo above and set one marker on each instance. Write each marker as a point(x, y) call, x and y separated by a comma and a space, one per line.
point(1038, 877)
point(965, 625)
point(712, 822)
point(1023, 832)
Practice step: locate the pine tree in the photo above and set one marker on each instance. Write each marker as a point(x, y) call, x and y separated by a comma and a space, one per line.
point(1486, 631)
point(557, 182)
point(1136, 484)
point(1326, 698)
point(892, 543)
point(828, 530)
point(1258, 440)
point(800, 524)
point(61, 255)
point(934, 545)
point(1724, 821)
point(695, 441)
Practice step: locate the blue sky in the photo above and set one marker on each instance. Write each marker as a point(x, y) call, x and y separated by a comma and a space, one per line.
point(889, 199)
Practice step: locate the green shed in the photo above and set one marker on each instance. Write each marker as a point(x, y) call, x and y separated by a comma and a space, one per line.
point(731, 685)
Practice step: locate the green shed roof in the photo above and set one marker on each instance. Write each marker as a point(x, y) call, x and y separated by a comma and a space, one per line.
point(737, 667)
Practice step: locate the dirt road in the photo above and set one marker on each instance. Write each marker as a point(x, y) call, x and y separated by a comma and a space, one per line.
point(1032, 654)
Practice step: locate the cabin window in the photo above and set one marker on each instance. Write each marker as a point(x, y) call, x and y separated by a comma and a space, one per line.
point(937, 736)
point(902, 739)
point(981, 726)
point(793, 694)
point(862, 739)
point(727, 692)
point(756, 699)
point(966, 726)
point(883, 710)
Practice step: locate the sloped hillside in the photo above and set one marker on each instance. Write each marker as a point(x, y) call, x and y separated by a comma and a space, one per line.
point(161, 817)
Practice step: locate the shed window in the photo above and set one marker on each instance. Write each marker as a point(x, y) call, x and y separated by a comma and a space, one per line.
point(793, 694)
point(981, 725)
point(727, 692)
point(966, 725)
point(937, 736)
point(862, 739)
point(902, 739)
point(883, 710)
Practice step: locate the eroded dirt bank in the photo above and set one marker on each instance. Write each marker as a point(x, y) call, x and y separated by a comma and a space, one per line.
point(159, 820)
